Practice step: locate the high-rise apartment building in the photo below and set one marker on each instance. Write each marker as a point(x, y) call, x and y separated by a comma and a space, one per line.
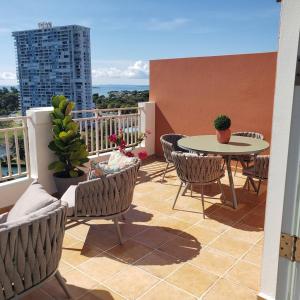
point(54, 61)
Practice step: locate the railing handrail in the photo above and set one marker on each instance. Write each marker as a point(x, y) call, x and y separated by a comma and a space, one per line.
point(96, 129)
point(106, 109)
point(15, 131)
point(4, 119)
point(106, 117)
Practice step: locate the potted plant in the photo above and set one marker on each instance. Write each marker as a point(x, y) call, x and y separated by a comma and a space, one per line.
point(222, 124)
point(67, 145)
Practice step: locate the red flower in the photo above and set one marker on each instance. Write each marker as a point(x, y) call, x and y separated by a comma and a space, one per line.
point(113, 138)
point(129, 154)
point(142, 155)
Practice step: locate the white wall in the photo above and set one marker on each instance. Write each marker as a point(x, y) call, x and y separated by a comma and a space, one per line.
point(282, 117)
point(10, 191)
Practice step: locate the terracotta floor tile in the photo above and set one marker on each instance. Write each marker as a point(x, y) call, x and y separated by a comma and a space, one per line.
point(253, 220)
point(79, 253)
point(172, 225)
point(246, 274)
point(229, 215)
point(182, 248)
point(188, 216)
point(140, 215)
point(102, 239)
point(131, 282)
point(213, 261)
point(64, 267)
point(260, 242)
point(159, 264)
point(102, 267)
point(226, 290)
point(154, 237)
point(192, 279)
point(77, 283)
point(231, 246)
point(254, 255)
point(203, 235)
point(213, 225)
point(69, 240)
point(77, 230)
point(165, 291)
point(101, 292)
point(244, 232)
point(130, 251)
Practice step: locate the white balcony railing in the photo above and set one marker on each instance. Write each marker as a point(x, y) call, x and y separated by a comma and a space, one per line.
point(101, 123)
point(14, 151)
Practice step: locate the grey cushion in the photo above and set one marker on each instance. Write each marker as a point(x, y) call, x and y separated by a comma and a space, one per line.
point(32, 200)
point(69, 197)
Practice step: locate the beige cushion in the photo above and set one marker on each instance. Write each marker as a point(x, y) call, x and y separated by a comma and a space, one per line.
point(32, 200)
point(69, 197)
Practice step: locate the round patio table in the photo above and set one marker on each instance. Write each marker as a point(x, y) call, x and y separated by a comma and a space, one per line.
point(237, 147)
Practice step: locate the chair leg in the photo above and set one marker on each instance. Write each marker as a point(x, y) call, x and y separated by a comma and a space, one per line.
point(221, 189)
point(116, 221)
point(177, 195)
point(185, 189)
point(165, 171)
point(62, 283)
point(236, 165)
point(258, 187)
point(202, 200)
point(191, 187)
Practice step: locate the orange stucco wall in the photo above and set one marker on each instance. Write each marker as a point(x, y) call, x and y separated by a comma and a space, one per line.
point(190, 92)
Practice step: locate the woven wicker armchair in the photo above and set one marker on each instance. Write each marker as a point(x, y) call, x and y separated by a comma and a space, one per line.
point(30, 251)
point(169, 144)
point(107, 197)
point(246, 158)
point(259, 170)
point(194, 169)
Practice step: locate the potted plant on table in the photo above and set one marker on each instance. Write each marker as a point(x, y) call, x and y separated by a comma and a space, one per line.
point(222, 125)
point(67, 145)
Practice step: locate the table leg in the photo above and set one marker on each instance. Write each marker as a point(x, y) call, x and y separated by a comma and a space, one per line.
point(234, 199)
point(249, 178)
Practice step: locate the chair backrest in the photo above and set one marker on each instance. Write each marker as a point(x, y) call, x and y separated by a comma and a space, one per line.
point(107, 195)
point(261, 166)
point(30, 251)
point(251, 134)
point(169, 144)
point(197, 169)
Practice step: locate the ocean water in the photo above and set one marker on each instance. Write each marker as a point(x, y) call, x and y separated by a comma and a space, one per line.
point(103, 89)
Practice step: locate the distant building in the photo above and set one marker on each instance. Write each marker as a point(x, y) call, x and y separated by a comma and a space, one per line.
point(54, 61)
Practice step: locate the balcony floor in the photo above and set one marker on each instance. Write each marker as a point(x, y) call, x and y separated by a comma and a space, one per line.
point(168, 254)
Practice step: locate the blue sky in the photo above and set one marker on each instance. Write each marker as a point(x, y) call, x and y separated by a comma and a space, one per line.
point(126, 34)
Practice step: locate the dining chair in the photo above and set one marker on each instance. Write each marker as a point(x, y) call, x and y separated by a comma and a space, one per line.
point(193, 169)
point(169, 144)
point(246, 158)
point(107, 197)
point(259, 171)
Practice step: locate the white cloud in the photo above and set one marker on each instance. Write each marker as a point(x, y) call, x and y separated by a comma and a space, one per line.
point(8, 76)
point(166, 25)
point(136, 70)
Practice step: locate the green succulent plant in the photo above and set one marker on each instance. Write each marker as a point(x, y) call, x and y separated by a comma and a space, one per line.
point(67, 144)
point(222, 122)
